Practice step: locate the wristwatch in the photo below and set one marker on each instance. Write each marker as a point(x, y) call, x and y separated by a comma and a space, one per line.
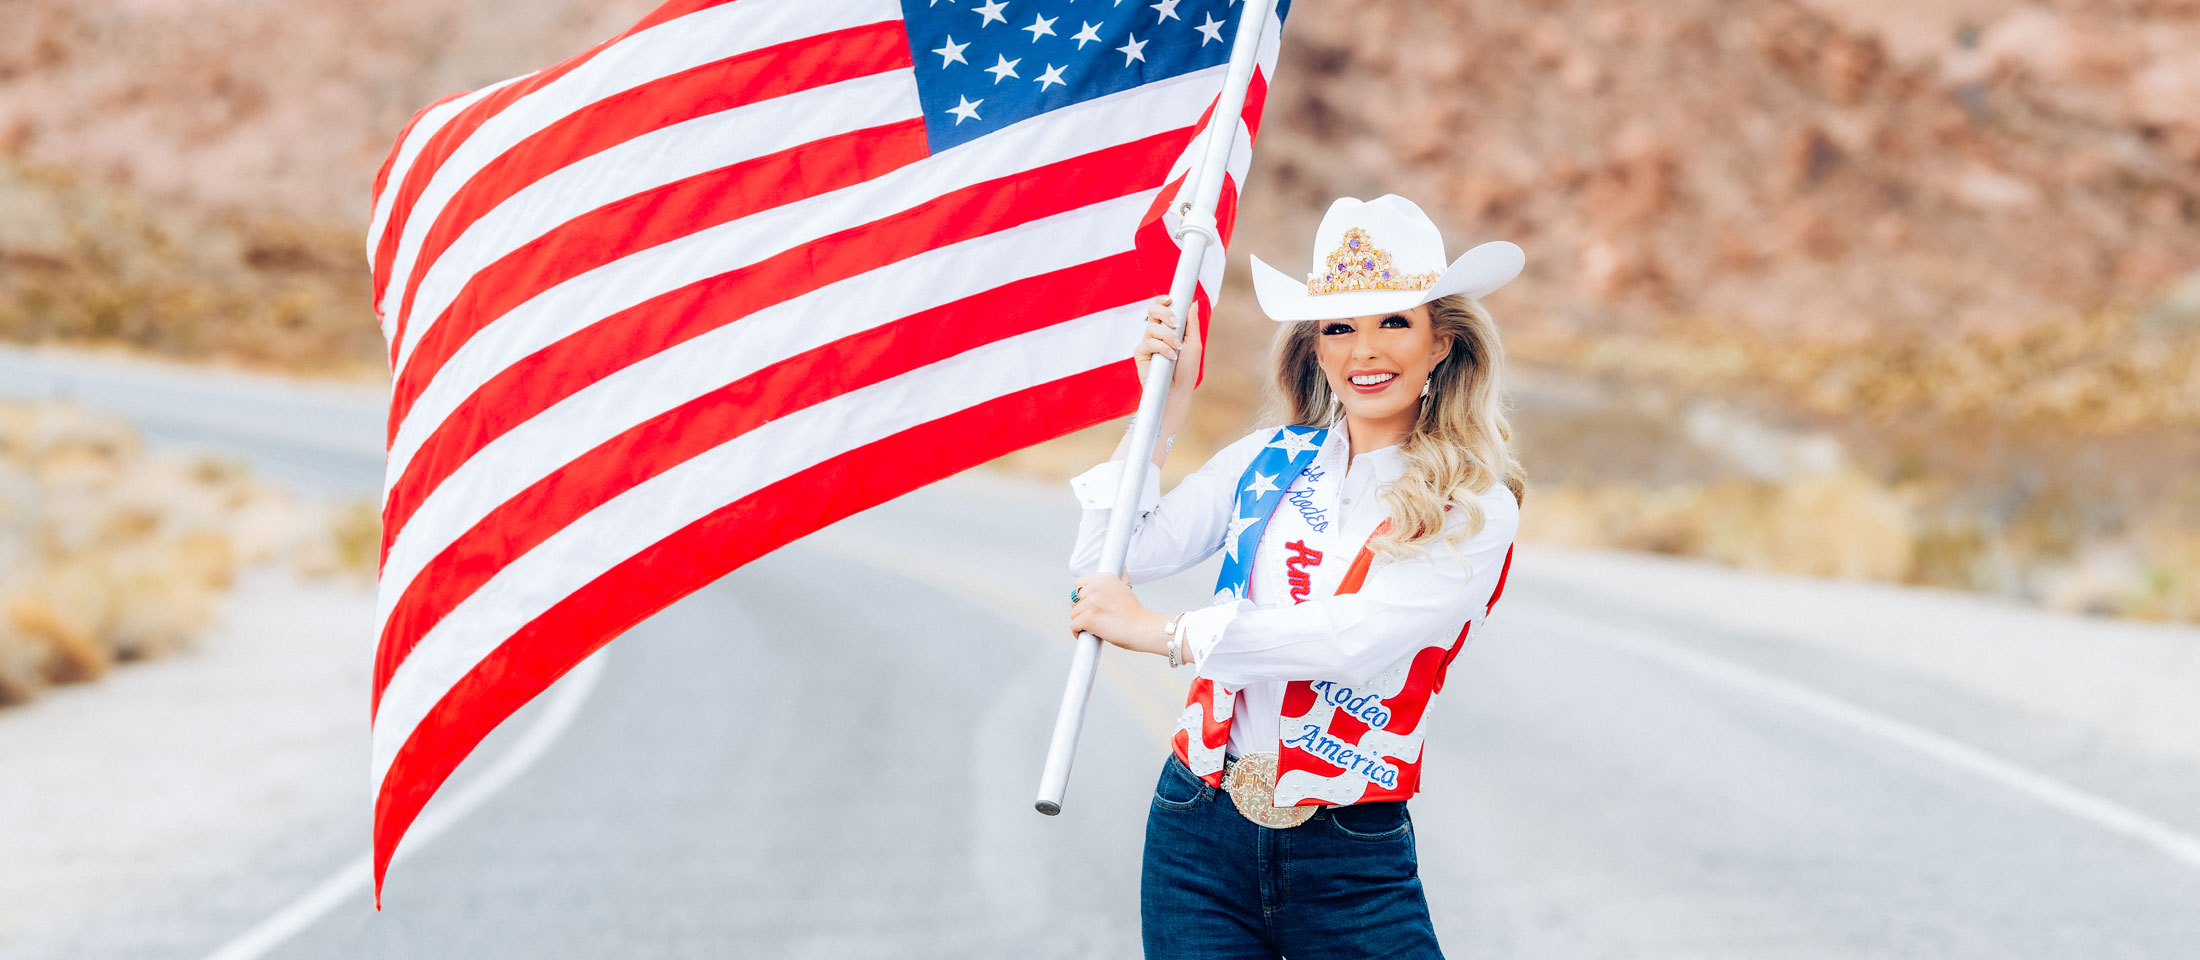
point(1176, 643)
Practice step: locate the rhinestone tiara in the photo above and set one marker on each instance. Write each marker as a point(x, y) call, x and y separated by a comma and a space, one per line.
point(1359, 265)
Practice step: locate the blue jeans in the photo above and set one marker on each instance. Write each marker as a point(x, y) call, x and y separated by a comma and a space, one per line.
point(1344, 884)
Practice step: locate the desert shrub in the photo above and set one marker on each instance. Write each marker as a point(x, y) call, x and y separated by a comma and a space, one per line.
point(110, 553)
point(1836, 525)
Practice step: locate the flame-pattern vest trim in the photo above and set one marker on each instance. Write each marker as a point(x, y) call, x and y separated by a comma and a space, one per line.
point(1339, 744)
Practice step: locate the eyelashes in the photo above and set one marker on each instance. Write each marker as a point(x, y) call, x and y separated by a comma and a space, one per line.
point(1339, 328)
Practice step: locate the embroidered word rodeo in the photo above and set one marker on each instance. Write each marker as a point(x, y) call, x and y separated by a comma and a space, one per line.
point(1365, 707)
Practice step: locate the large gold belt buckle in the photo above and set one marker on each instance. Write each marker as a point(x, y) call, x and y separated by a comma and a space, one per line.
point(1252, 785)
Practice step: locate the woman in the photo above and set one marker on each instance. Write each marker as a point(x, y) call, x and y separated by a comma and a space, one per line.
point(1362, 541)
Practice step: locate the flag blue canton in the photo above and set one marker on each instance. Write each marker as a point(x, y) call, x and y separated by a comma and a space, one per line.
point(985, 64)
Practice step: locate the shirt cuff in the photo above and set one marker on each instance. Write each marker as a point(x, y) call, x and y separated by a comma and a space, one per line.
point(1201, 629)
point(1095, 488)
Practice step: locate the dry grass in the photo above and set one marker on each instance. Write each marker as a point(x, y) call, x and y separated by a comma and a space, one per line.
point(1837, 525)
point(86, 263)
point(109, 553)
point(2095, 374)
point(1849, 526)
point(2054, 464)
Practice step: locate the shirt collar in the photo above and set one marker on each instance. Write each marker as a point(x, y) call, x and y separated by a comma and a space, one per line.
point(1387, 463)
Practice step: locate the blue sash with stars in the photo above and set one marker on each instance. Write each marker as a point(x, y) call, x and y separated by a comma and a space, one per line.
point(1259, 491)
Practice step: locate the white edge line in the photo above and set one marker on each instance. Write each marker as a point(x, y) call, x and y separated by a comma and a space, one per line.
point(354, 878)
point(2047, 791)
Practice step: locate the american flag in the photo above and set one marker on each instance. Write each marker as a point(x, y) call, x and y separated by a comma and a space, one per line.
point(741, 271)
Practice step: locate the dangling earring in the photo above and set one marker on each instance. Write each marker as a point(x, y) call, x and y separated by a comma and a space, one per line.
point(1427, 387)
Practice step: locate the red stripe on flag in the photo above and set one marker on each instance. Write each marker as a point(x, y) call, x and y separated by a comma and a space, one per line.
point(1162, 250)
point(530, 660)
point(728, 84)
point(454, 133)
point(382, 176)
point(646, 220)
point(1256, 100)
point(526, 388)
point(650, 448)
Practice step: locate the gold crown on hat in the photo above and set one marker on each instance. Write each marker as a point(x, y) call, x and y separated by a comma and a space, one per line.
point(1359, 265)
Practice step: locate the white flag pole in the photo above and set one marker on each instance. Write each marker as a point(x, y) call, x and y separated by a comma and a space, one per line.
point(1195, 236)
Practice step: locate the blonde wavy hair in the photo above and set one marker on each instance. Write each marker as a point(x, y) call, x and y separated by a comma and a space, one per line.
point(1460, 444)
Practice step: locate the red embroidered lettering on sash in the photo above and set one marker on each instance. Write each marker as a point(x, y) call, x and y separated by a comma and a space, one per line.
point(1302, 557)
point(1332, 745)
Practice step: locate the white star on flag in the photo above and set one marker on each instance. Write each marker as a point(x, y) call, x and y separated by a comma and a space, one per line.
point(952, 53)
point(1134, 50)
point(1210, 32)
point(1167, 9)
point(1292, 442)
point(1238, 526)
point(1262, 483)
point(582, 277)
point(1226, 595)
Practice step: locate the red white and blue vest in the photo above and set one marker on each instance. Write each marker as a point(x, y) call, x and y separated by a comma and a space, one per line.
point(1340, 744)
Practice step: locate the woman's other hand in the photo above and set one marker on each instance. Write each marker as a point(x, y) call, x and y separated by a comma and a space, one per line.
point(1165, 336)
point(1108, 609)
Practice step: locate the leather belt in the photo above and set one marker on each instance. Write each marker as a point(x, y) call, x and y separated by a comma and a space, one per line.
point(1251, 783)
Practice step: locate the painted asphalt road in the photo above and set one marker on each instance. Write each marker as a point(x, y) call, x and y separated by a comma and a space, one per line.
point(322, 438)
point(1582, 802)
point(831, 753)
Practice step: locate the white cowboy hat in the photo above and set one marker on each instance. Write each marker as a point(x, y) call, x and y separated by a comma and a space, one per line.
point(1381, 256)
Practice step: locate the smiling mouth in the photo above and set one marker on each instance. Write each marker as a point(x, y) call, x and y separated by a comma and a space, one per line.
point(1373, 379)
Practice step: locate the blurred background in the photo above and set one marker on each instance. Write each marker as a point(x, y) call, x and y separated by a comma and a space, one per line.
point(1904, 291)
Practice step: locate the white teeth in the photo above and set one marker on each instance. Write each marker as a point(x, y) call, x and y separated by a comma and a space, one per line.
point(1372, 379)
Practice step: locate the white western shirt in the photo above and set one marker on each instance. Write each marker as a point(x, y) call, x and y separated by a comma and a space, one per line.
point(1256, 645)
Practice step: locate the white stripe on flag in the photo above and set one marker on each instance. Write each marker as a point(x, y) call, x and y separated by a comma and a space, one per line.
point(417, 138)
point(655, 159)
point(407, 152)
point(652, 511)
point(579, 423)
point(584, 300)
point(684, 43)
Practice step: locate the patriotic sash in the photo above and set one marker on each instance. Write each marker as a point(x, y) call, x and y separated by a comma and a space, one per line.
point(1207, 709)
point(1339, 744)
point(1272, 472)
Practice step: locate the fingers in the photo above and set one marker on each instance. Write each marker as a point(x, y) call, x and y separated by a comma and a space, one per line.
point(1165, 330)
point(1159, 341)
point(1167, 346)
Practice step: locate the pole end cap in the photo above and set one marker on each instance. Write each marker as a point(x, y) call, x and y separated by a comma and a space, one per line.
point(1049, 807)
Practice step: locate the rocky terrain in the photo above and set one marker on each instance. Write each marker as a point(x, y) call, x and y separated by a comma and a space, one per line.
point(191, 176)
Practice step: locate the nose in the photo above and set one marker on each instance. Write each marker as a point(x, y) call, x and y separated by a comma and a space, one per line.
point(1363, 344)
